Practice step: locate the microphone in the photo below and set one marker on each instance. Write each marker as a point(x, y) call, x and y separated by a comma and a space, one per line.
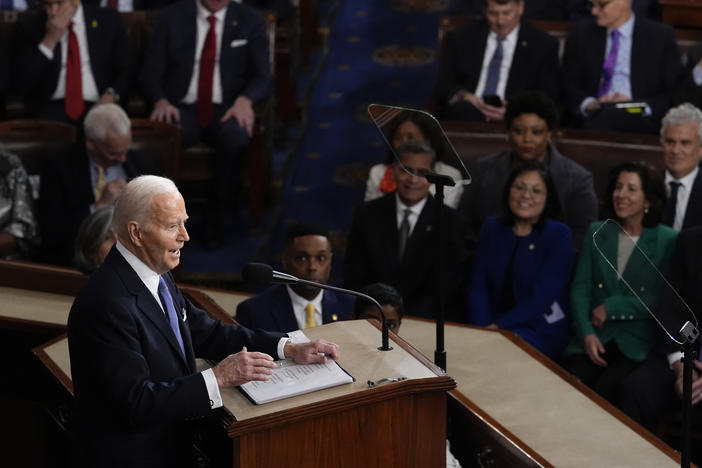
point(261, 273)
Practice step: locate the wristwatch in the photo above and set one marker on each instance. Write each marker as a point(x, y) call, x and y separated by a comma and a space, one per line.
point(113, 93)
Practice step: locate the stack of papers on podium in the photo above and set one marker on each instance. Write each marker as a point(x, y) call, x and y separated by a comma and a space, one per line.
point(290, 379)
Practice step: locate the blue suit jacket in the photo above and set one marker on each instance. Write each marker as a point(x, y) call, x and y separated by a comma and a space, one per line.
point(542, 267)
point(272, 310)
point(243, 60)
point(134, 389)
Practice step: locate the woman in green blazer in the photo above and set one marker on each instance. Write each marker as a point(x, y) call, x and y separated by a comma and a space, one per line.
point(612, 330)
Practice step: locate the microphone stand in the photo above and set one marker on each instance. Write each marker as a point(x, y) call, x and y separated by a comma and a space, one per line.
point(440, 181)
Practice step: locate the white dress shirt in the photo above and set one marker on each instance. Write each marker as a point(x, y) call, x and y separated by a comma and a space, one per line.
point(299, 303)
point(683, 195)
point(509, 44)
point(203, 26)
point(90, 91)
point(415, 211)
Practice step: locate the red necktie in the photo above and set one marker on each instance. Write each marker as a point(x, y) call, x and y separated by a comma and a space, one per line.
point(204, 86)
point(74, 82)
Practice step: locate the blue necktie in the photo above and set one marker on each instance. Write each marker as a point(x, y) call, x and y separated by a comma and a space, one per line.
point(493, 76)
point(167, 302)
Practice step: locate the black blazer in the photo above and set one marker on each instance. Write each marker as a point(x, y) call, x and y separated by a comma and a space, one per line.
point(65, 196)
point(688, 91)
point(693, 213)
point(372, 254)
point(111, 58)
point(243, 60)
point(272, 310)
point(535, 65)
point(655, 63)
point(134, 389)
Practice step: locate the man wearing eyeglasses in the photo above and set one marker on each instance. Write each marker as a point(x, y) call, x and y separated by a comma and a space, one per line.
point(617, 57)
point(393, 239)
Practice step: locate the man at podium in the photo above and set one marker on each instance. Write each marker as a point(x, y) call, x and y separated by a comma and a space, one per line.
point(133, 339)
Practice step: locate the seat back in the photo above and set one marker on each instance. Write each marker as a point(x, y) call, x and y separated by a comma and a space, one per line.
point(162, 141)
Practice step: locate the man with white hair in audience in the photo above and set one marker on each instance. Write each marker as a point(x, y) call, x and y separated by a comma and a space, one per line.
point(681, 138)
point(87, 177)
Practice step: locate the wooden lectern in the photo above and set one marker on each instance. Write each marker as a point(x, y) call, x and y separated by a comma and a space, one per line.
point(397, 424)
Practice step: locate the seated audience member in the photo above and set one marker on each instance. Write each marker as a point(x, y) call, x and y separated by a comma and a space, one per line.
point(394, 239)
point(413, 125)
point(486, 63)
point(388, 298)
point(578, 9)
point(524, 263)
point(690, 88)
point(19, 231)
point(612, 330)
point(681, 138)
point(205, 68)
point(20, 5)
point(89, 176)
point(656, 386)
point(285, 308)
point(616, 57)
point(72, 56)
point(529, 119)
point(94, 240)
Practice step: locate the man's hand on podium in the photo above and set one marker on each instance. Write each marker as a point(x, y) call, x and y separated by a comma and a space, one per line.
point(313, 352)
point(243, 367)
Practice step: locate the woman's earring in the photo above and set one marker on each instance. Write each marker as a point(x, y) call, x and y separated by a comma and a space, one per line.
point(645, 210)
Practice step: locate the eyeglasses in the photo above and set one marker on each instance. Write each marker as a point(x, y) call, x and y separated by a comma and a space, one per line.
point(601, 5)
point(537, 191)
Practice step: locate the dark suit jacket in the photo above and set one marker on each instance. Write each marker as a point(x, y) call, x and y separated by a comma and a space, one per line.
point(272, 310)
point(534, 66)
point(111, 58)
point(688, 91)
point(133, 387)
point(693, 212)
point(65, 196)
point(576, 193)
point(655, 63)
point(372, 255)
point(169, 61)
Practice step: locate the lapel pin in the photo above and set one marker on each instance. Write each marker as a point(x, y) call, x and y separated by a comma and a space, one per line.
point(531, 247)
point(235, 23)
point(524, 43)
point(94, 24)
point(334, 317)
point(429, 228)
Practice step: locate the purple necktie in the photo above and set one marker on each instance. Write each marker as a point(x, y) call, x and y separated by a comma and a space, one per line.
point(609, 65)
point(173, 320)
point(493, 72)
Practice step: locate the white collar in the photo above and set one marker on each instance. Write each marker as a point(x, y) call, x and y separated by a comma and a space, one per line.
point(414, 209)
point(147, 276)
point(203, 13)
point(511, 37)
point(300, 302)
point(78, 18)
point(686, 181)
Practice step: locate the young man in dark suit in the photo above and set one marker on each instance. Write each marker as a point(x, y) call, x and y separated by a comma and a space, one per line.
point(681, 138)
point(617, 56)
point(286, 308)
point(72, 56)
point(71, 185)
point(394, 239)
point(500, 57)
point(133, 339)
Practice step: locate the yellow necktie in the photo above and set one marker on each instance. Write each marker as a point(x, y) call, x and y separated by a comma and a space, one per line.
point(309, 316)
point(100, 184)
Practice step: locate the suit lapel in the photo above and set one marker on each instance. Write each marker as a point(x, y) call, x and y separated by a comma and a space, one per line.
point(693, 212)
point(388, 234)
point(189, 36)
point(230, 29)
point(91, 33)
point(516, 70)
point(147, 304)
point(639, 50)
point(329, 307)
point(282, 312)
point(606, 242)
point(422, 229)
point(599, 46)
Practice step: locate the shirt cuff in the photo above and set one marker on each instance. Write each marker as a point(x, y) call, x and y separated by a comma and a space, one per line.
point(583, 105)
point(48, 53)
point(212, 388)
point(697, 75)
point(281, 347)
point(457, 97)
point(674, 357)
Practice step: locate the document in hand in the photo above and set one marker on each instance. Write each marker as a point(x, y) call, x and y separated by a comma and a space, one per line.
point(290, 379)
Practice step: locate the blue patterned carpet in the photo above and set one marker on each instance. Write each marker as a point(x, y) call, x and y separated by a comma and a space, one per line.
point(379, 52)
